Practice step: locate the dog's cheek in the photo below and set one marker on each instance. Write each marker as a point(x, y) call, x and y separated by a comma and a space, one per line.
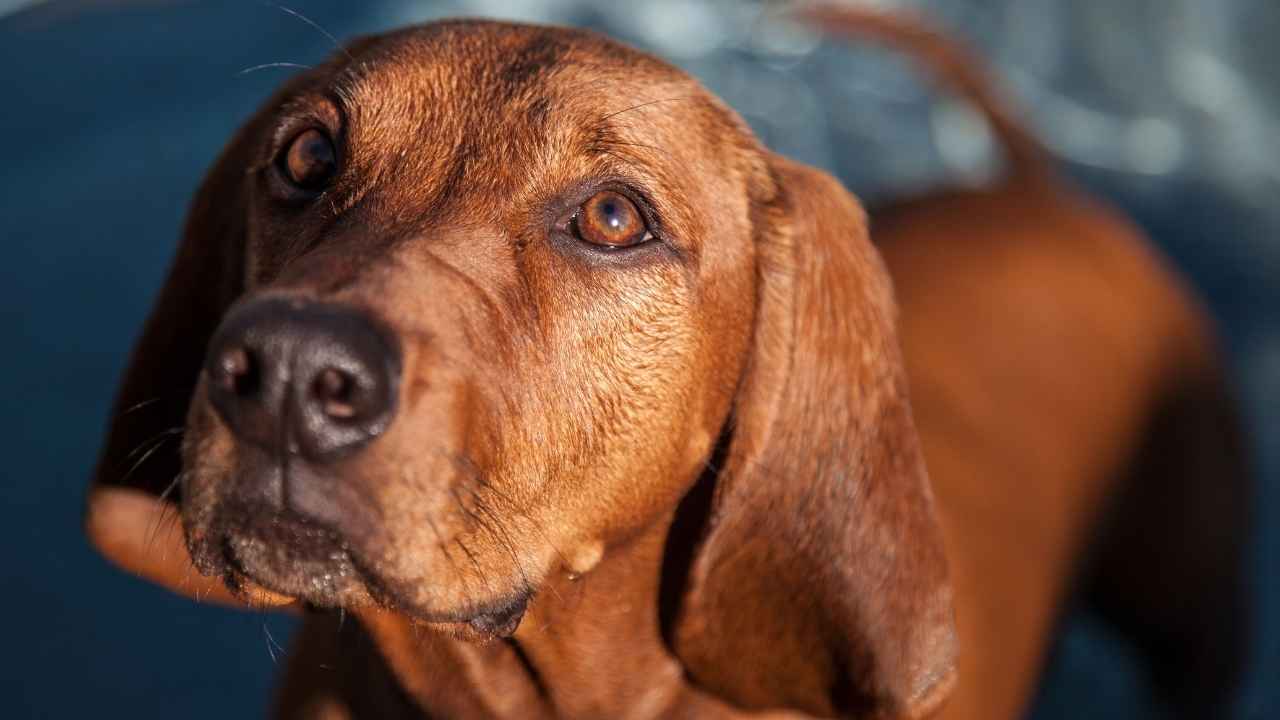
point(637, 383)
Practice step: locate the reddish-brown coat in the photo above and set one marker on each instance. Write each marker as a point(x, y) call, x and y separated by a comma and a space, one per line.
point(758, 370)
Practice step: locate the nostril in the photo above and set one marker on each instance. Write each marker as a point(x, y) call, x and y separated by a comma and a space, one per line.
point(237, 372)
point(335, 390)
point(305, 378)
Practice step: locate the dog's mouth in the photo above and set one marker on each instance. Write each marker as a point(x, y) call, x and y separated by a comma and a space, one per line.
point(294, 556)
point(286, 554)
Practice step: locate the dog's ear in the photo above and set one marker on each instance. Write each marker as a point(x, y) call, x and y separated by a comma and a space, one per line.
point(821, 582)
point(140, 461)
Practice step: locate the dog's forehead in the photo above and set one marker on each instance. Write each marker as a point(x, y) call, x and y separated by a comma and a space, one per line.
point(486, 74)
point(440, 113)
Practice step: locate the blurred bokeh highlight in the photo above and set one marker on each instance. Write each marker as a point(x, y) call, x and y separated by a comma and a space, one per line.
point(114, 109)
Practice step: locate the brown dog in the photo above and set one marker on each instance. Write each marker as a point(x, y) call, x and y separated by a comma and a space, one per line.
point(489, 332)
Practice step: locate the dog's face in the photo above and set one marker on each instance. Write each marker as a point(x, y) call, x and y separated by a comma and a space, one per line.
point(484, 289)
point(473, 303)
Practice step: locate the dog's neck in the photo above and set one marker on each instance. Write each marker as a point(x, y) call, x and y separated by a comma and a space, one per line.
point(589, 646)
point(596, 640)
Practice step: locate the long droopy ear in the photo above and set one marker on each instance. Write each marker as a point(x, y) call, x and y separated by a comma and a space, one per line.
point(821, 583)
point(137, 471)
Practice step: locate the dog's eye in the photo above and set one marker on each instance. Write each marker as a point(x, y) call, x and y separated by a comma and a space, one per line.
point(310, 160)
point(608, 219)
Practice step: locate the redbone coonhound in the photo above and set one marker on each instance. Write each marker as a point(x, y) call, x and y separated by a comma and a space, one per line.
point(515, 344)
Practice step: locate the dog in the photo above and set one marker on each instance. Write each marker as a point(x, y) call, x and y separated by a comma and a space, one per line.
point(516, 345)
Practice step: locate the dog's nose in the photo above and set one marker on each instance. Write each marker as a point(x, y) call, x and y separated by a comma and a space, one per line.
point(308, 378)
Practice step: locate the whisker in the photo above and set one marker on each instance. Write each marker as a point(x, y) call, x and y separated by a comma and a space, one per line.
point(158, 437)
point(264, 66)
point(481, 483)
point(444, 549)
point(171, 518)
point(161, 511)
point(435, 530)
point(466, 550)
point(475, 563)
point(644, 105)
point(138, 406)
point(478, 522)
point(271, 642)
point(504, 540)
point(467, 465)
point(147, 455)
point(315, 25)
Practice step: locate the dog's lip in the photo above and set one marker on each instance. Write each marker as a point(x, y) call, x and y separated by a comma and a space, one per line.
point(259, 553)
point(479, 623)
point(501, 620)
point(290, 555)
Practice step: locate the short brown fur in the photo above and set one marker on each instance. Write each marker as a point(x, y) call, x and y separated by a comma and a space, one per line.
point(697, 461)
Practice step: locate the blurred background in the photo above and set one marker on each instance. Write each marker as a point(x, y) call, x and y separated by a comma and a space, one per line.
point(112, 111)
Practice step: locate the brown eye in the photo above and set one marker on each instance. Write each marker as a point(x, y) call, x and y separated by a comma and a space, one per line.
point(310, 160)
point(609, 219)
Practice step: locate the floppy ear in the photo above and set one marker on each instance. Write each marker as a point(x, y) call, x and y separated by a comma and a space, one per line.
point(135, 480)
point(821, 583)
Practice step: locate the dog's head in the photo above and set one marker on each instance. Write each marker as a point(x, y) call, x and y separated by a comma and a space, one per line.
point(474, 303)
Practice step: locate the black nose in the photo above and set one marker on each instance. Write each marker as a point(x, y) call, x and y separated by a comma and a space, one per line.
point(308, 378)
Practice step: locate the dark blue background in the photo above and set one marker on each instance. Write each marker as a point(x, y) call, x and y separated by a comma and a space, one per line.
point(112, 112)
